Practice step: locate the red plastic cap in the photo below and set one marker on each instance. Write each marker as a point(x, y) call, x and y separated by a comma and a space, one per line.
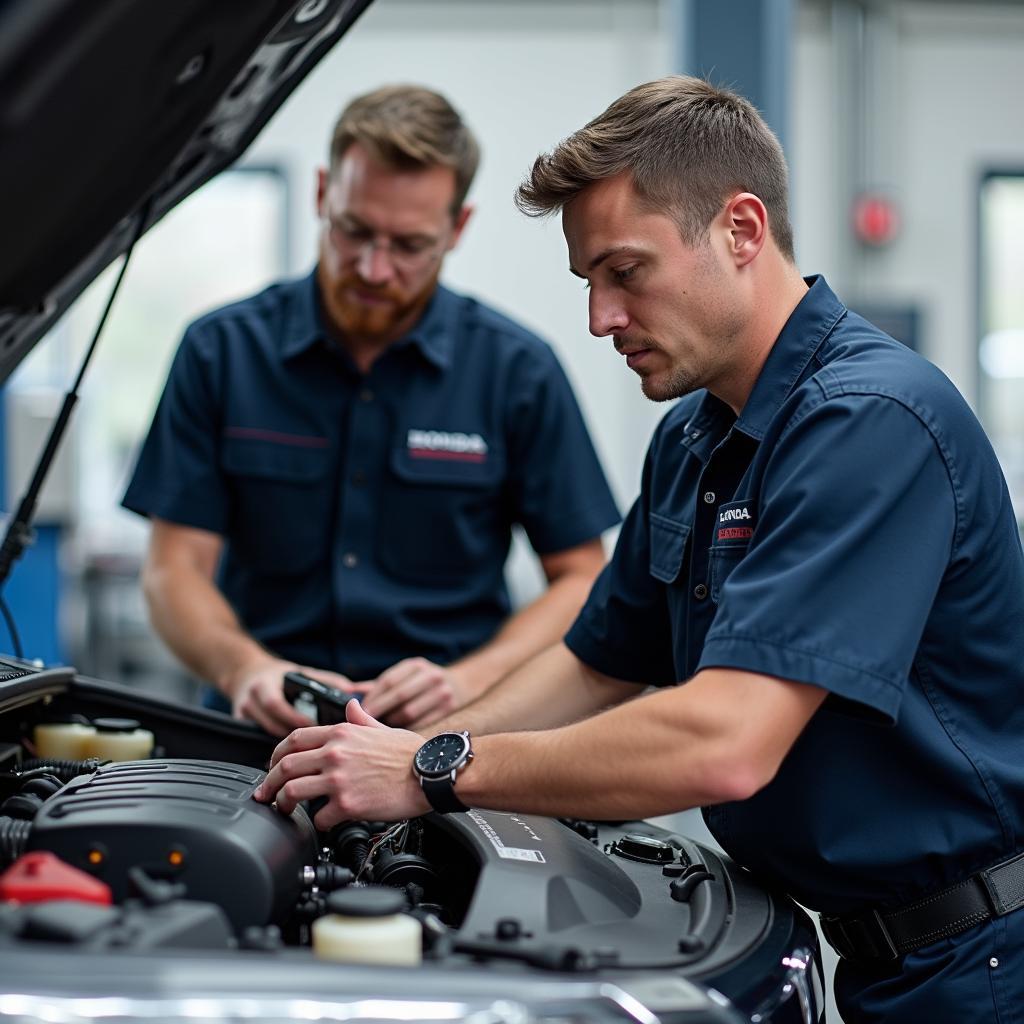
point(40, 876)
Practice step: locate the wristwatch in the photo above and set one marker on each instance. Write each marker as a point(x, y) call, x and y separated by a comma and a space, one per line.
point(437, 763)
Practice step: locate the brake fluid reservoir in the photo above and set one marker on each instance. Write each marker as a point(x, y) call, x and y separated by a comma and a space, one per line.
point(63, 740)
point(119, 739)
point(365, 925)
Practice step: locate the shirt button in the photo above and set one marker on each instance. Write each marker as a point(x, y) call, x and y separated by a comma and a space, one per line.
point(694, 434)
point(700, 591)
point(366, 395)
point(709, 497)
point(359, 478)
point(349, 560)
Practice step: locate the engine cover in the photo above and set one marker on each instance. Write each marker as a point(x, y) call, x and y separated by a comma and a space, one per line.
point(193, 822)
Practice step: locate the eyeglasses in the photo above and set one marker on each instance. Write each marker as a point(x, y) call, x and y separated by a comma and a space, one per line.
point(351, 240)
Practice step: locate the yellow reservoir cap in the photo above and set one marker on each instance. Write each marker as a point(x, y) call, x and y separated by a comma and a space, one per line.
point(119, 739)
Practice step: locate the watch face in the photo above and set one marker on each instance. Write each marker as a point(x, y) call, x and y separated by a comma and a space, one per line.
point(438, 756)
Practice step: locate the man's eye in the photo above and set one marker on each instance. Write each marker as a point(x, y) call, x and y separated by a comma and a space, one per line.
point(353, 234)
point(624, 273)
point(412, 246)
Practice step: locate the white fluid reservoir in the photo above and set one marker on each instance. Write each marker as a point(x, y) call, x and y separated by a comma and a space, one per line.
point(365, 925)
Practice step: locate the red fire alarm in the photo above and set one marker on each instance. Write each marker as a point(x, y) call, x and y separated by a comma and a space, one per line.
point(875, 219)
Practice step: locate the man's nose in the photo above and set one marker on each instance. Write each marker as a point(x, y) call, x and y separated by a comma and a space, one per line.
point(606, 316)
point(374, 263)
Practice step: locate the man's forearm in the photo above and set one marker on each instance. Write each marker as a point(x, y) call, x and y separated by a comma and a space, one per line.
point(198, 624)
point(719, 738)
point(550, 690)
point(532, 629)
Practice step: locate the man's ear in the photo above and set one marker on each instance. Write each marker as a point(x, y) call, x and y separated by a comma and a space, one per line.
point(461, 219)
point(321, 190)
point(746, 221)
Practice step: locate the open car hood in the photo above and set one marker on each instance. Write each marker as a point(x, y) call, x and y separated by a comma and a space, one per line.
point(111, 113)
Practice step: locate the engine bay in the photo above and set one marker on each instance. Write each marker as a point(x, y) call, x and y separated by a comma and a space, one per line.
point(171, 855)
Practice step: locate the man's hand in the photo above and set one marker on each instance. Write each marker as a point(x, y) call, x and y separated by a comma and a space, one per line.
point(362, 766)
point(415, 692)
point(257, 694)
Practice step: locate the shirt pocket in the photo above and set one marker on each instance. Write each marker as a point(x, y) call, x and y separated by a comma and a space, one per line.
point(722, 561)
point(731, 541)
point(668, 547)
point(280, 509)
point(444, 518)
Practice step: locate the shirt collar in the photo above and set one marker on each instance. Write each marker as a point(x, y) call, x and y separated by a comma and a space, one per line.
point(303, 325)
point(432, 335)
point(807, 327)
point(805, 330)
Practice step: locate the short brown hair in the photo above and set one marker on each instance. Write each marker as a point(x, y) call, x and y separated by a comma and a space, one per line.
point(688, 145)
point(408, 127)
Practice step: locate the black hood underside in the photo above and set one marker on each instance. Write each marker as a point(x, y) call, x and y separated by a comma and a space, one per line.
point(112, 111)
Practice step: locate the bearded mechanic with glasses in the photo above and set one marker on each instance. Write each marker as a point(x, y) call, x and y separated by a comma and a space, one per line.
point(336, 463)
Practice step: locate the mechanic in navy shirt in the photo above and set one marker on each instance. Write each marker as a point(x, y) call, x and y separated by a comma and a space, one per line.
point(336, 464)
point(823, 552)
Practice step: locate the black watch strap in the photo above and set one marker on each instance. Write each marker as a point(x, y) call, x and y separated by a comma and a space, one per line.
point(441, 794)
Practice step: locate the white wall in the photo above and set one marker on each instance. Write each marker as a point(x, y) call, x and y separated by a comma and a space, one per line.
point(943, 103)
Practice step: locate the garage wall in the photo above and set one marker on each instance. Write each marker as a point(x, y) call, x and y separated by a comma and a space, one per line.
point(940, 89)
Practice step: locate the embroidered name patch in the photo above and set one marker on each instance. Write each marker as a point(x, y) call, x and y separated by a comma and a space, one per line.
point(444, 444)
point(736, 522)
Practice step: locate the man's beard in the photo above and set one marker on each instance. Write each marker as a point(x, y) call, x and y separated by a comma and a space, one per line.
point(659, 387)
point(678, 383)
point(384, 322)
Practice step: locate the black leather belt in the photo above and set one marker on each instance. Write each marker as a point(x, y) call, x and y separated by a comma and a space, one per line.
point(889, 934)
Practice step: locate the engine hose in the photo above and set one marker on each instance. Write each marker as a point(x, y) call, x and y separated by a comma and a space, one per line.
point(352, 845)
point(40, 782)
point(14, 835)
point(357, 854)
point(65, 770)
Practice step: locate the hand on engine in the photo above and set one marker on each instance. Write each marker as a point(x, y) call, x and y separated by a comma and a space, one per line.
point(361, 766)
point(257, 694)
point(415, 692)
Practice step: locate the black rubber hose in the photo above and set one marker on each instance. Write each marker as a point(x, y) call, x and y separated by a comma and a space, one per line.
point(65, 770)
point(14, 835)
point(35, 790)
point(42, 786)
point(352, 845)
point(329, 877)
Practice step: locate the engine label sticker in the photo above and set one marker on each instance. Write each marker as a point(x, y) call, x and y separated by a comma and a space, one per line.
point(507, 852)
point(517, 853)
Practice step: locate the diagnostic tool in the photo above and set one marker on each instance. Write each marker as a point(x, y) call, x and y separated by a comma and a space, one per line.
point(329, 702)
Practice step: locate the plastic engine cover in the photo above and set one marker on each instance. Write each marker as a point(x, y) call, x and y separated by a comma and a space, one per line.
point(193, 822)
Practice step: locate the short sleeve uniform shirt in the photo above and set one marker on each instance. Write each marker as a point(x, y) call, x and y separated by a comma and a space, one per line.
point(850, 529)
point(368, 518)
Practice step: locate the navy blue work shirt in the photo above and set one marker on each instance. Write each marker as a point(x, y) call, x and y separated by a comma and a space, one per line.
point(368, 517)
point(850, 529)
